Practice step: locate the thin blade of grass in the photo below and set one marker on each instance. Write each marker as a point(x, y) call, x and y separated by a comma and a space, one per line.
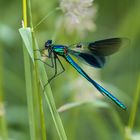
point(49, 96)
point(3, 126)
point(27, 39)
point(66, 107)
point(43, 79)
point(129, 128)
point(29, 92)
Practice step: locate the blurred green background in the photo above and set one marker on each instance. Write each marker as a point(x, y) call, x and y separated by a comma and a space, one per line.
point(97, 118)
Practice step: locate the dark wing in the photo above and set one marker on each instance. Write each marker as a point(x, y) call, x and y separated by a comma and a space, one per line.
point(108, 46)
point(94, 53)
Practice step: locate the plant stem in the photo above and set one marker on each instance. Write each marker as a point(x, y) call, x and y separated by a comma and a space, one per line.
point(133, 112)
point(135, 105)
point(49, 98)
point(38, 97)
point(28, 80)
point(40, 75)
point(43, 19)
point(24, 3)
point(3, 127)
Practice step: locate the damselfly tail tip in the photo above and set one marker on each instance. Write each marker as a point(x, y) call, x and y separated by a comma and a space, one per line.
point(123, 107)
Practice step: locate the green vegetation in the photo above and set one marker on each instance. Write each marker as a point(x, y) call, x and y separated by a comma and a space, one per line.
point(69, 108)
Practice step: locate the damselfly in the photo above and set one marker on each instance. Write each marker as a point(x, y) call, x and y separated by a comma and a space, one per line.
point(91, 53)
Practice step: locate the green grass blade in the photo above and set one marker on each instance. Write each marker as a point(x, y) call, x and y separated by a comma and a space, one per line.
point(49, 96)
point(129, 128)
point(27, 39)
point(29, 92)
point(34, 98)
point(43, 79)
point(3, 126)
point(135, 105)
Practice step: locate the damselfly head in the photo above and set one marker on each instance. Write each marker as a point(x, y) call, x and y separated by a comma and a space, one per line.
point(79, 45)
point(48, 44)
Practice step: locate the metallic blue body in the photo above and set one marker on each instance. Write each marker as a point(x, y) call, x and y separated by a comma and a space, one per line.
point(93, 54)
point(59, 49)
point(100, 88)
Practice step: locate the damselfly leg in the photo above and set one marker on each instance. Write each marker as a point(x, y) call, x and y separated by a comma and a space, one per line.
point(52, 65)
point(56, 72)
point(45, 55)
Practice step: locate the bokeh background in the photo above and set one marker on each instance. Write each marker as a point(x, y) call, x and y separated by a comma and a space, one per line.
point(87, 115)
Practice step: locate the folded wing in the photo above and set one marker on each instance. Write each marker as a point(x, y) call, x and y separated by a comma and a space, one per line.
point(94, 53)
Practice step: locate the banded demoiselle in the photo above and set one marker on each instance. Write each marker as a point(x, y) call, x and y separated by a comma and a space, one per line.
point(91, 53)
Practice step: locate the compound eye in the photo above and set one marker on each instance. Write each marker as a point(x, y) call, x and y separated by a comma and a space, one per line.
point(79, 46)
point(48, 43)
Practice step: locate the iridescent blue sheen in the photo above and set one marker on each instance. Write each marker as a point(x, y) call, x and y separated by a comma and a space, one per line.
point(100, 88)
point(93, 54)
